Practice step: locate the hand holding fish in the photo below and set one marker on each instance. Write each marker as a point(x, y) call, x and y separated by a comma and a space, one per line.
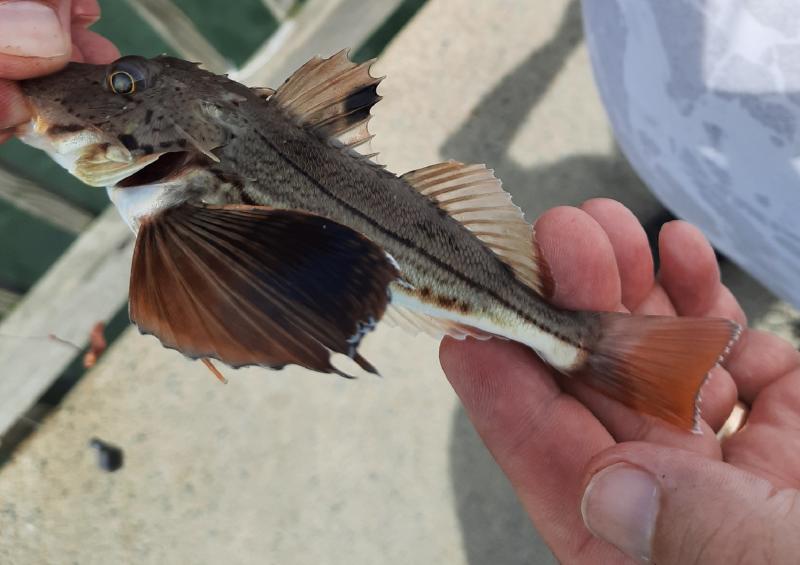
point(646, 488)
point(37, 38)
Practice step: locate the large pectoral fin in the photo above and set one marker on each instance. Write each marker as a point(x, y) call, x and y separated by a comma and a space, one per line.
point(257, 286)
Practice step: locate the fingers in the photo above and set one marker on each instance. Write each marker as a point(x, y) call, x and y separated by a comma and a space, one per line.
point(34, 37)
point(13, 109)
point(689, 271)
point(40, 37)
point(625, 424)
point(541, 438)
point(769, 444)
point(690, 276)
point(657, 303)
point(631, 248)
point(34, 40)
point(94, 48)
point(758, 360)
point(726, 306)
point(718, 397)
point(766, 369)
point(670, 506)
point(585, 258)
point(581, 260)
point(85, 12)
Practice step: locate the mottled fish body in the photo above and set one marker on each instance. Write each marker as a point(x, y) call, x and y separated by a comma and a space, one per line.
point(264, 237)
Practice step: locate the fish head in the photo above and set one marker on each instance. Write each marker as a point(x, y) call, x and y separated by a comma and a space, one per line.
point(106, 124)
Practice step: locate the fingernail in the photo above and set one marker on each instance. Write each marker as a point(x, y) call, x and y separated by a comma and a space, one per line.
point(31, 29)
point(620, 506)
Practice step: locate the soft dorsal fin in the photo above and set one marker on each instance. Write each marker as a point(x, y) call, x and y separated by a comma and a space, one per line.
point(472, 195)
point(333, 97)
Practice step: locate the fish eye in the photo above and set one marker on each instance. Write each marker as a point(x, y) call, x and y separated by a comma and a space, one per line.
point(129, 74)
point(121, 82)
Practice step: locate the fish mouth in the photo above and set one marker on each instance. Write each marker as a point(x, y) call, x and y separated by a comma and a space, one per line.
point(84, 151)
point(166, 167)
point(97, 161)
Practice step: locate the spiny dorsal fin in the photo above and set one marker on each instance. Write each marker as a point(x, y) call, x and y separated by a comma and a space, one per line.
point(333, 97)
point(472, 195)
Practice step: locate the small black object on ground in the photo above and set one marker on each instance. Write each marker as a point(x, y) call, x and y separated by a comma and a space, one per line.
point(109, 457)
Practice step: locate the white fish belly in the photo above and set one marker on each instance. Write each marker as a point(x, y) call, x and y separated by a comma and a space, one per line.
point(556, 352)
point(134, 202)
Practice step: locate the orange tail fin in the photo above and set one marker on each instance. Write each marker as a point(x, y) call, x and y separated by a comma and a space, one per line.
point(657, 364)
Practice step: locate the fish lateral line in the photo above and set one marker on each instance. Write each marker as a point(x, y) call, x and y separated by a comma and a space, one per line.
point(413, 246)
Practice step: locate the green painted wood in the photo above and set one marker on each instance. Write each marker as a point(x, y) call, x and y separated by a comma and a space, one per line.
point(35, 165)
point(28, 246)
point(236, 28)
point(128, 31)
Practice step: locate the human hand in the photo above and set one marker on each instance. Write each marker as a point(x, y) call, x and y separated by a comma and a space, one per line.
point(37, 38)
point(578, 459)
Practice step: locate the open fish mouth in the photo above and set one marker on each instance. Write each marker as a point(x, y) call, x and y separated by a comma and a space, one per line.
point(91, 157)
point(83, 151)
point(166, 167)
point(98, 166)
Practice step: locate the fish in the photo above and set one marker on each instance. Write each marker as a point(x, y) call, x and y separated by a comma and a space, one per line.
point(267, 235)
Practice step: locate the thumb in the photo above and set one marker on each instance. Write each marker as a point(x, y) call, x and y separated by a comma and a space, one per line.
point(671, 506)
point(35, 37)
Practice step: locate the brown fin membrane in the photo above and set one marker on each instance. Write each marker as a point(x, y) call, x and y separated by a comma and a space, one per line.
point(257, 286)
point(657, 364)
point(472, 195)
point(333, 97)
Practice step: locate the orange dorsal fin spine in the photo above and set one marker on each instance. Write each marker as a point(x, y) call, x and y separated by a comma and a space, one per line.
point(214, 371)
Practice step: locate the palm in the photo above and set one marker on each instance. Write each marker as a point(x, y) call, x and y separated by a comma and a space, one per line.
point(544, 438)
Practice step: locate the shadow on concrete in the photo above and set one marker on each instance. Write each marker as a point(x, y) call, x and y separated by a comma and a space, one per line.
point(494, 525)
point(493, 124)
